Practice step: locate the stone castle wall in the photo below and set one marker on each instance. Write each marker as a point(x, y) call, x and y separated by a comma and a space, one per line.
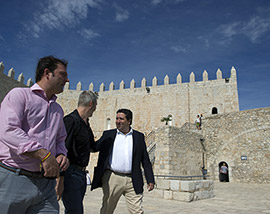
point(151, 103)
point(178, 152)
point(242, 140)
point(7, 82)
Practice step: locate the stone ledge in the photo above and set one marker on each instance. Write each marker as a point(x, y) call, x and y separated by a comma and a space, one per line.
point(185, 191)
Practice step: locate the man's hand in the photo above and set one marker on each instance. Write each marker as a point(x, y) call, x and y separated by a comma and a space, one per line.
point(63, 162)
point(150, 186)
point(59, 187)
point(51, 167)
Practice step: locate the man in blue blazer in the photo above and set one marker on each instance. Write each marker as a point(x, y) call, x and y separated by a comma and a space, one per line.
point(122, 152)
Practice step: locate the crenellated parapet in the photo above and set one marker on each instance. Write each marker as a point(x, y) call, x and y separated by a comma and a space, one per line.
point(11, 75)
point(166, 81)
point(1, 67)
point(8, 81)
point(132, 84)
point(151, 102)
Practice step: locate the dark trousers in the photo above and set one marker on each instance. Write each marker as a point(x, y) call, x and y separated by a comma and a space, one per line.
point(74, 190)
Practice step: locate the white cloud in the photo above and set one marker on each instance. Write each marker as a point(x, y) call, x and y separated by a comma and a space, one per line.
point(179, 48)
point(121, 14)
point(88, 34)
point(205, 41)
point(156, 2)
point(254, 28)
point(230, 30)
point(60, 14)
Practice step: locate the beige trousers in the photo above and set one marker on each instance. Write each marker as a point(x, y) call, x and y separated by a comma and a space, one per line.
point(114, 186)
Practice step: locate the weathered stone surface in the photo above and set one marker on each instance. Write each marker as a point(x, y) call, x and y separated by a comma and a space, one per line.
point(168, 194)
point(203, 195)
point(185, 190)
point(163, 184)
point(157, 193)
point(183, 101)
point(7, 83)
point(188, 186)
point(175, 185)
point(183, 196)
point(231, 136)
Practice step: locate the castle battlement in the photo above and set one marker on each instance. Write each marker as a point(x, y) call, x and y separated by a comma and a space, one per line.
point(132, 84)
point(166, 82)
point(149, 103)
point(11, 75)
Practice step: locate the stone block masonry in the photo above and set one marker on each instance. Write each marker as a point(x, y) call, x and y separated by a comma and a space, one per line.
point(186, 191)
point(242, 140)
point(7, 82)
point(151, 103)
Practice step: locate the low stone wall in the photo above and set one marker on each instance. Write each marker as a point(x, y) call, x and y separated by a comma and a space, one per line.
point(178, 152)
point(186, 191)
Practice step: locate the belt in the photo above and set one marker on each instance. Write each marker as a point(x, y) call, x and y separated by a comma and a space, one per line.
point(120, 173)
point(22, 171)
point(82, 168)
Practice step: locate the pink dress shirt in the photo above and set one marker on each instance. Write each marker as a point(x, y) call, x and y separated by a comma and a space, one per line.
point(29, 122)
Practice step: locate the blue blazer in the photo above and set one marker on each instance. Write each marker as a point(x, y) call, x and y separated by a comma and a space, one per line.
point(140, 157)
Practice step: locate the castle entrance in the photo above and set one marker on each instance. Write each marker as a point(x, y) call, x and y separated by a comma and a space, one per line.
point(223, 172)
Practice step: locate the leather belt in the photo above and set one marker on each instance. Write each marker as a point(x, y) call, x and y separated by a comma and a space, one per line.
point(120, 173)
point(22, 171)
point(82, 168)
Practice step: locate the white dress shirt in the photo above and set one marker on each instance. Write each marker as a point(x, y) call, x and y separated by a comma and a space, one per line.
point(121, 158)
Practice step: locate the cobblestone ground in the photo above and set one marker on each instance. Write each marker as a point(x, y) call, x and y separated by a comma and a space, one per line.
point(231, 198)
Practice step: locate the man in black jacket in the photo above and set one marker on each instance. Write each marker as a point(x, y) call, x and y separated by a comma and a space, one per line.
point(118, 172)
point(79, 142)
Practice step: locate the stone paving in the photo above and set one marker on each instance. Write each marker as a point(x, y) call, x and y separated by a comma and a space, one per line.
point(231, 198)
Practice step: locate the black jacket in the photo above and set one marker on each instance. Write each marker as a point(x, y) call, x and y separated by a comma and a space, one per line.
point(140, 157)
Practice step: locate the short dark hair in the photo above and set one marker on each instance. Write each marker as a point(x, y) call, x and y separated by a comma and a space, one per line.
point(127, 112)
point(49, 62)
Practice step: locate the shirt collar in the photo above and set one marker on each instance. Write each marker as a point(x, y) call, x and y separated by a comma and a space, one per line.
point(129, 133)
point(77, 113)
point(36, 87)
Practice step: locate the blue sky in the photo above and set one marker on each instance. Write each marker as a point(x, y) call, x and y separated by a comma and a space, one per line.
point(106, 40)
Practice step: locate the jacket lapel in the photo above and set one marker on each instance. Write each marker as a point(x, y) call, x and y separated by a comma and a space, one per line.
point(113, 136)
point(135, 140)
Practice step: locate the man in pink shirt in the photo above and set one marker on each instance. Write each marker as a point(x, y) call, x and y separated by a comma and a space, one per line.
point(32, 143)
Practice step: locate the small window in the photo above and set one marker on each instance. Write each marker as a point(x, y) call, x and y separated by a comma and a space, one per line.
point(108, 123)
point(227, 80)
point(214, 110)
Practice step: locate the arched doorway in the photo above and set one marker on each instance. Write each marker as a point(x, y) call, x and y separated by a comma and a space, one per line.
point(223, 172)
